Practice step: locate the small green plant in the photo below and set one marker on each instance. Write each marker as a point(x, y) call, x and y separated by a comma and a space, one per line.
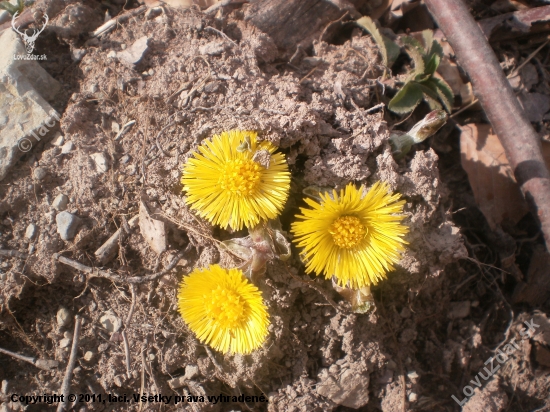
point(421, 82)
point(12, 9)
point(388, 49)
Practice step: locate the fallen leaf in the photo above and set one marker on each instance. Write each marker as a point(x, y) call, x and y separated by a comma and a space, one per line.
point(491, 177)
point(495, 189)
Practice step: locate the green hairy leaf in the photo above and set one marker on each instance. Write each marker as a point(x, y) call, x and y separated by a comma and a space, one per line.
point(388, 49)
point(406, 99)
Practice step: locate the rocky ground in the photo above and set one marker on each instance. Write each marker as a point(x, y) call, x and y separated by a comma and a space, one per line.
point(126, 110)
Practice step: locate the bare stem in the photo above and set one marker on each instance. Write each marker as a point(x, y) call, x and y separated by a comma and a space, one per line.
point(519, 139)
point(66, 386)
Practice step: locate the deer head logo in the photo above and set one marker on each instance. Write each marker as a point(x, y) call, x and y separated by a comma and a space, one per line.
point(29, 40)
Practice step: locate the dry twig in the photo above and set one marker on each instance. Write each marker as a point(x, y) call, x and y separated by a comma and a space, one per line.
point(127, 353)
point(519, 139)
point(44, 364)
point(95, 272)
point(66, 386)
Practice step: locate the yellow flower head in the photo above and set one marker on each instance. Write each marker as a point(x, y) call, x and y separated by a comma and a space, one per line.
point(224, 309)
point(234, 180)
point(354, 237)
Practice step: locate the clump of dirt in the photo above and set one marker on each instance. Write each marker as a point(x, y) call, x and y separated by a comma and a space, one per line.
point(201, 76)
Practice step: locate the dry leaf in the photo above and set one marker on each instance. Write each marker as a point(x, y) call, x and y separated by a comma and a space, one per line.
point(491, 178)
point(495, 189)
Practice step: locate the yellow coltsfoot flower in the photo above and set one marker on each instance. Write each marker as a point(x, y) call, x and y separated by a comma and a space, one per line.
point(236, 181)
point(354, 237)
point(224, 309)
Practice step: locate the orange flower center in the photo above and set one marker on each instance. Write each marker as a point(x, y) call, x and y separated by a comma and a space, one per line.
point(226, 307)
point(347, 232)
point(241, 176)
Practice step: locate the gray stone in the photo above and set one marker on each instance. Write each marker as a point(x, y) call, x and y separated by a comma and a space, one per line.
point(58, 139)
point(40, 173)
point(191, 371)
point(78, 54)
point(26, 117)
point(459, 310)
point(133, 54)
point(350, 389)
point(60, 202)
point(30, 233)
point(101, 161)
point(64, 317)
point(214, 48)
point(65, 342)
point(110, 322)
point(124, 159)
point(67, 225)
point(67, 147)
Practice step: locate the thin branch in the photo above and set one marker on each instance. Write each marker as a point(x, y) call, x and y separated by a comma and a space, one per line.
point(66, 386)
point(127, 353)
point(44, 364)
point(520, 141)
point(95, 272)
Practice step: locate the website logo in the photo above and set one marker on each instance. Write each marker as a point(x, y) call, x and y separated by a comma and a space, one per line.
point(29, 40)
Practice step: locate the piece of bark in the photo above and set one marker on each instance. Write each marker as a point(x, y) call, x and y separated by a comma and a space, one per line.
point(516, 24)
point(153, 230)
point(293, 22)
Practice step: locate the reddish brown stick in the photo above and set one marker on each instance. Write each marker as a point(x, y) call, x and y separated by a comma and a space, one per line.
point(519, 139)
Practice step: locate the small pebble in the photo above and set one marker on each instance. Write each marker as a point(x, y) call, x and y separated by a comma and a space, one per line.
point(191, 371)
point(39, 173)
point(413, 397)
point(412, 375)
point(101, 161)
point(110, 322)
point(459, 310)
point(88, 356)
point(58, 139)
point(67, 334)
point(124, 159)
point(67, 147)
point(67, 225)
point(111, 54)
point(65, 342)
point(60, 202)
point(103, 347)
point(78, 54)
point(63, 317)
point(30, 233)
